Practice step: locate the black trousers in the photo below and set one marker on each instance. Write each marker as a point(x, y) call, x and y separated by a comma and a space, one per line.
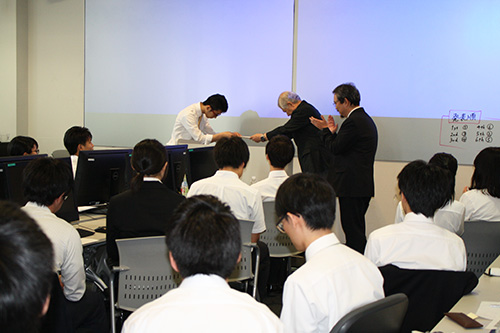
point(352, 216)
point(88, 314)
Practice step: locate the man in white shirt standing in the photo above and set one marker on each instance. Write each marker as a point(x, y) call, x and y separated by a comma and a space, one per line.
point(417, 242)
point(204, 246)
point(76, 139)
point(46, 184)
point(279, 152)
point(192, 122)
point(335, 279)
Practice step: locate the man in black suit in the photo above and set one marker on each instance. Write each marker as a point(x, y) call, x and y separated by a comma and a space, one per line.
point(313, 156)
point(351, 171)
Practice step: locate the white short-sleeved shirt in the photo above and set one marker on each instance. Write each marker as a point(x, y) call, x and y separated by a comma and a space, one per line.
point(192, 124)
point(245, 202)
point(334, 280)
point(269, 186)
point(480, 206)
point(416, 243)
point(451, 217)
point(203, 303)
point(68, 257)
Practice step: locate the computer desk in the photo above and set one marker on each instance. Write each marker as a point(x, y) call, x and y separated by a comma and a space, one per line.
point(487, 290)
point(91, 222)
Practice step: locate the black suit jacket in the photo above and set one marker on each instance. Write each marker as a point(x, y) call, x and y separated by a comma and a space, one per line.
point(353, 148)
point(313, 157)
point(141, 214)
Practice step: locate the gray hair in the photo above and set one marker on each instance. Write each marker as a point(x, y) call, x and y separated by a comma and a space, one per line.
point(288, 96)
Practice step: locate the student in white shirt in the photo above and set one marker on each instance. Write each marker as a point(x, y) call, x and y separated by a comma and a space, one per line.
point(76, 139)
point(451, 216)
point(192, 122)
point(335, 279)
point(482, 198)
point(279, 152)
point(204, 246)
point(417, 242)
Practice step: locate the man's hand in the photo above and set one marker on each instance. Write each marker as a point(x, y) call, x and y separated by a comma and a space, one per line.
point(236, 134)
point(331, 124)
point(257, 137)
point(319, 123)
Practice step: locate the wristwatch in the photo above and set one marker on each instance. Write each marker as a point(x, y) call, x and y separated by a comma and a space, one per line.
point(262, 138)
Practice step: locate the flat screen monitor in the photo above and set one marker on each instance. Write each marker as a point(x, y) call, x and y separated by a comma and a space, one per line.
point(177, 165)
point(201, 164)
point(100, 174)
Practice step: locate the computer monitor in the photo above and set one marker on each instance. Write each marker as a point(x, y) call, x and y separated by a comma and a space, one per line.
point(11, 177)
point(100, 174)
point(177, 165)
point(201, 164)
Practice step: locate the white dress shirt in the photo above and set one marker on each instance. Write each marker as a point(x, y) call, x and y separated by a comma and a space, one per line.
point(480, 206)
point(245, 202)
point(74, 164)
point(186, 126)
point(417, 243)
point(334, 280)
point(68, 257)
point(269, 186)
point(451, 217)
point(203, 303)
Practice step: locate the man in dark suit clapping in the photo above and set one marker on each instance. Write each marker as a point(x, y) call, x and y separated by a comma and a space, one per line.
point(351, 170)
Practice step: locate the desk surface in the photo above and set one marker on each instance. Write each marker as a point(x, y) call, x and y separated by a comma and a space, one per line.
point(91, 222)
point(487, 290)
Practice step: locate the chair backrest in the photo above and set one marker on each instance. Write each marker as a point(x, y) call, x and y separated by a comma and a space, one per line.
point(279, 243)
point(385, 315)
point(430, 293)
point(243, 269)
point(482, 242)
point(60, 153)
point(149, 274)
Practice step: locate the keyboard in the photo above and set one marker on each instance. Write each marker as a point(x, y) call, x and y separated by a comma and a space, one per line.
point(84, 232)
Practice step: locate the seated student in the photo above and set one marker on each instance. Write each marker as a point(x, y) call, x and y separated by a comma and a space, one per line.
point(417, 242)
point(231, 156)
point(279, 152)
point(204, 246)
point(335, 279)
point(76, 139)
point(482, 198)
point(22, 146)
point(146, 208)
point(46, 182)
point(451, 216)
point(192, 122)
point(26, 270)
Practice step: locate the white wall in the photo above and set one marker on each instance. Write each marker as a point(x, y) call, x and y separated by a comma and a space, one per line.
point(56, 67)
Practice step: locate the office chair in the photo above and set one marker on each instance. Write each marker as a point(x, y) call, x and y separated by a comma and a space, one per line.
point(145, 274)
point(385, 315)
point(482, 243)
point(243, 270)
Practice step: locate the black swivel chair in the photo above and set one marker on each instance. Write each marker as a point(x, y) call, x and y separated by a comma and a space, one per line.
point(385, 315)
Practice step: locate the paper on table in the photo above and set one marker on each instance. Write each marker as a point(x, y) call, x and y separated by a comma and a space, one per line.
point(489, 310)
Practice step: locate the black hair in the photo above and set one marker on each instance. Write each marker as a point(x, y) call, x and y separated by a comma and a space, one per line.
point(148, 158)
point(486, 176)
point(280, 151)
point(447, 162)
point(75, 136)
point(307, 195)
point(26, 270)
point(204, 237)
point(217, 102)
point(45, 179)
point(425, 187)
point(20, 145)
point(349, 91)
point(231, 152)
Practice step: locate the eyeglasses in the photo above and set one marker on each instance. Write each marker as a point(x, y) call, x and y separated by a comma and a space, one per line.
point(280, 226)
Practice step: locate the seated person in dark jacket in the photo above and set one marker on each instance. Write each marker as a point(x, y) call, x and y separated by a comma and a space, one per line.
point(146, 208)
